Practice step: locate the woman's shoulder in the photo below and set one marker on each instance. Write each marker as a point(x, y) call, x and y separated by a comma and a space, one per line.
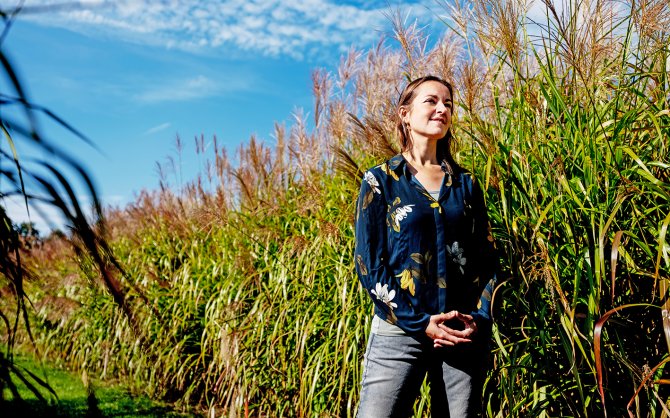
point(463, 174)
point(389, 168)
point(465, 179)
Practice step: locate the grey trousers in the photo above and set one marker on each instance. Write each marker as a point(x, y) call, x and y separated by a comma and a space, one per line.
point(394, 368)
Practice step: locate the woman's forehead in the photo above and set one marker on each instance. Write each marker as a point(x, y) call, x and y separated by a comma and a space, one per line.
point(434, 88)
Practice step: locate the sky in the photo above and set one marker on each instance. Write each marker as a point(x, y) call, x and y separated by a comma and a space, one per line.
point(132, 75)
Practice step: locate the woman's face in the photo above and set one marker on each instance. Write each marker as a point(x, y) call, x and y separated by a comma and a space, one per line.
point(428, 116)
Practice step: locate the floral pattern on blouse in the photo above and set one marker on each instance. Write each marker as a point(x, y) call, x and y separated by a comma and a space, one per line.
point(398, 215)
point(383, 294)
point(418, 256)
point(456, 254)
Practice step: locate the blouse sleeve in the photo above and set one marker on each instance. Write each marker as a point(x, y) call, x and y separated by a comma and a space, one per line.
point(371, 256)
point(488, 257)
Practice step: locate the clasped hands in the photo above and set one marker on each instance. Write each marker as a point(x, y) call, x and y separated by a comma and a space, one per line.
point(443, 335)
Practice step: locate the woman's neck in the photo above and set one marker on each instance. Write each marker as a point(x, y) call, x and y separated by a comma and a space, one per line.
point(422, 153)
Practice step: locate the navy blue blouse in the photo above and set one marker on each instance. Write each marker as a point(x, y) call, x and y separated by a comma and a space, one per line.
point(417, 256)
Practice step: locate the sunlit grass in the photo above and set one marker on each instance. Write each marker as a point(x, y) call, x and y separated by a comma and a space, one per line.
point(74, 399)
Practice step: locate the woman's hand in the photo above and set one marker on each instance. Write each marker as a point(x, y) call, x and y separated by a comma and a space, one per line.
point(443, 335)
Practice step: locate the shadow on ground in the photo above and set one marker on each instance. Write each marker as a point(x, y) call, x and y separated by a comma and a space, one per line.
point(84, 408)
point(97, 399)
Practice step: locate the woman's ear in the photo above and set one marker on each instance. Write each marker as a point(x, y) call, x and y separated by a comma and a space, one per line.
point(403, 113)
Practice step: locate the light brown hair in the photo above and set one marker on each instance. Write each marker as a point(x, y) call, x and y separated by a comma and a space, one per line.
point(406, 97)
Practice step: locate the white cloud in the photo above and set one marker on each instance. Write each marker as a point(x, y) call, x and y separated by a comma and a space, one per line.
point(44, 217)
point(270, 27)
point(157, 128)
point(183, 90)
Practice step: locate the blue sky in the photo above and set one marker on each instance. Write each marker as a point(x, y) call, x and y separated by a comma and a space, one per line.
point(131, 75)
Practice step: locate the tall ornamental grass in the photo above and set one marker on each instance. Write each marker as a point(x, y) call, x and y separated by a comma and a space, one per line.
point(576, 152)
point(252, 307)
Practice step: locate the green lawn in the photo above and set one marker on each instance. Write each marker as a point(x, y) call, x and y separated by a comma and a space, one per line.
point(108, 400)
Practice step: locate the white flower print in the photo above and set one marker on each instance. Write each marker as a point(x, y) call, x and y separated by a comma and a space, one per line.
point(399, 214)
point(456, 253)
point(372, 181)
point(383, 294)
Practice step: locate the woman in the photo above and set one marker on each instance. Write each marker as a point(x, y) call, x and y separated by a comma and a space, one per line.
point(425, 255)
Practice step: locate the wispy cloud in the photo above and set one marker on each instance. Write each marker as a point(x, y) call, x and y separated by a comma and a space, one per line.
point(44, 217)
point(183, 90)
point(292, 28)
point(157, 128)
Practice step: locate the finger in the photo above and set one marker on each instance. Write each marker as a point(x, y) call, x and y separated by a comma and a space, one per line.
point(457, 333)
point(442, 343)
point(449, 342)
point(463, 317)
point(446, 316)
point(453, 338)
point(454, 315)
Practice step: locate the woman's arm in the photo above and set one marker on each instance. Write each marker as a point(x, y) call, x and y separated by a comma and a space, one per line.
point(487, 255)
point(371, 259)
